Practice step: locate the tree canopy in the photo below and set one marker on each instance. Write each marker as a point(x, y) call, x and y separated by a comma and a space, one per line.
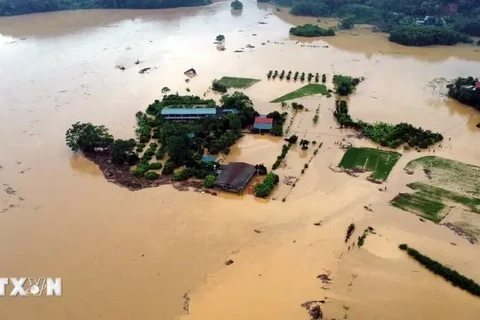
point(236, 5)
point(86, 137)
point(311, 30)
point(16, 7)
point(463, 90)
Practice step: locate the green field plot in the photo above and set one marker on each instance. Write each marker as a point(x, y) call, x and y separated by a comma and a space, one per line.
point(308, 90)
point(239, 83)
point(380, 162)
point(450, 175)
point(432, 202)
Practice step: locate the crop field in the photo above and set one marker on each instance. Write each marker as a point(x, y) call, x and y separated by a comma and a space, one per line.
point(379, 162)
point(239, 83)
point(305, 91)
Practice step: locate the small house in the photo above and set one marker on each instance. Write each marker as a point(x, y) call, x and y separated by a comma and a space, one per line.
point(263, 124)
point(234, 176)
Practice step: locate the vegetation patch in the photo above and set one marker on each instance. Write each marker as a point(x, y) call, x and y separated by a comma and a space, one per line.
point(464, 91)
point(452, 276)
point(238, 83)
point(378, 161)
point(345, 85)
point(429, 201)
point(308, 90)
point(448, 174)
point(385, 134)
point(311, 30)
point(263, 190)
point(285, 149)
point(421, 35)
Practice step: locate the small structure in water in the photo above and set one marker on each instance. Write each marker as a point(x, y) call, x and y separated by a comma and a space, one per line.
point(263, 124)
point(234, 176)
point(191, 72)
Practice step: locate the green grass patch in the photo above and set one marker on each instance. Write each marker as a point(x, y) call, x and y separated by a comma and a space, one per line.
point(452, 276)
point(239, 83)
point(450, 175)
point(429, 202)
point(308, 90)
point(380, 162)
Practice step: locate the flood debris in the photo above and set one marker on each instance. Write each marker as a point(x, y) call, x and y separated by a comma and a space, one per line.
point(257, 231)
point(186, 303)
point(144, 70)
point(190, 72)
point(10, 191)
point(368, 208)
point(314, 310)
point(428, 173)
point(289, 180)
point(461, 232)
point(120, 67)
point(249, 46)
point(350, 230)
point(229, 262)
point(325, 277)
point(318, 223)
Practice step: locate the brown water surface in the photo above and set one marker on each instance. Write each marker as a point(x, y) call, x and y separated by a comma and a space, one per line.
point(126, 255)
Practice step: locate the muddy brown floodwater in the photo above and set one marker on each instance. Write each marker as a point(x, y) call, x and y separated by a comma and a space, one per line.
point(134, 255)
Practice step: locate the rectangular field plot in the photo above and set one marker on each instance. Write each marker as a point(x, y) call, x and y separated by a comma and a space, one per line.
point(379, 162)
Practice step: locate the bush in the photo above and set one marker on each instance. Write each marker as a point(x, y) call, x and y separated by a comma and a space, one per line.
point(293, 139)
point(310, 30)
point(140, 170)
point(168, 168)
point(420, 35)
point(155, 166)
point(209, 181)
point(448, 274)
point(219, 87)
point(183, 175)
point(345, 85)
point(264, 189)
point(150, 175)
point(160, 154)
point(277, 163)
point(261, 169)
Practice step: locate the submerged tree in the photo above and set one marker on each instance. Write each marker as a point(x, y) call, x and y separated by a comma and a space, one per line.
point(220, 38)
point(86, 137)
point(237, 5)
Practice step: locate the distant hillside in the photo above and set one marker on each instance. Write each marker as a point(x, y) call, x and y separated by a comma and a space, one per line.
point(17, 7)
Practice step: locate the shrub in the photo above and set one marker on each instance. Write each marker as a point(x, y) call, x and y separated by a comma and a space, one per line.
point(160, 154)
point(182, 175)
point(219, 87)
point(264, 189)
point(310, 30)
point(168, 168)
point(155, 166)
point(293, 139)
point(140, 170)
point(150, 175)
point(345, 85)
point(209, 181)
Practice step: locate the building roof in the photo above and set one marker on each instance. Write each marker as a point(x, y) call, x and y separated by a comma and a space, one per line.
point(263, 126)
point(263, 120)
point(235, 176)
point(477, 84)
point(208, 158)
point(188, 111)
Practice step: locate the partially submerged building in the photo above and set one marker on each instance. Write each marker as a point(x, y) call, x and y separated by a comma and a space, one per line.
point(234, 176)
point(263, 124)
point(193, 114)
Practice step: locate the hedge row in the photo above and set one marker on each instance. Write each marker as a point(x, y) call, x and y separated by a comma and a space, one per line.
point(452, 276)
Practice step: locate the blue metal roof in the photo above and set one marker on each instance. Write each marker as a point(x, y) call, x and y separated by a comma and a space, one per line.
point(188, 111)
point(263, 126)
point(209, 159)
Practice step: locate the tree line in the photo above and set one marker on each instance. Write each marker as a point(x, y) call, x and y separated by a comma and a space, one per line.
point(452, 276)
point(17, 7)
point(420, 35)
point(385, 134)
point(388, 15)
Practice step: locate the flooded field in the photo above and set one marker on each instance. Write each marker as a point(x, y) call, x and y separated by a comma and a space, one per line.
point(159, 253)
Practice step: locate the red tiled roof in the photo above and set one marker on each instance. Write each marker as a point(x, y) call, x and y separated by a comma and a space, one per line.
point(477, 84)
point(263, 120)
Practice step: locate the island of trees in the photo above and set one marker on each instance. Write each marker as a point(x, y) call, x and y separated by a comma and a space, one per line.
point(236, 5)
point(465, 90)
point(17, 7)
point(446, 19)
point(310, 30)
point(385, 134)
point(184, 142)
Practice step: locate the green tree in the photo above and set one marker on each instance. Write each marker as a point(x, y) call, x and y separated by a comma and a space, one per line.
point(121, 151)
point(86, 137)
point(346, 23)
point(209, 181)
point(220, 38)
point(237, 5)
point(150, 175)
